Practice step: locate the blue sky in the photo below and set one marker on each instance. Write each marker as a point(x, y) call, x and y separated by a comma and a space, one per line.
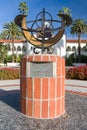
point(9, 9)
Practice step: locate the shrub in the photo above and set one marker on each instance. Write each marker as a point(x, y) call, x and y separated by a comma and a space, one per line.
point(83, 59)
point(9, 73)
point(16, 58)
point(71, 59)
point(79, 72)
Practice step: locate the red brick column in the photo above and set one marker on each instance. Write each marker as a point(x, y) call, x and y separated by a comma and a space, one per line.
point(43, 97)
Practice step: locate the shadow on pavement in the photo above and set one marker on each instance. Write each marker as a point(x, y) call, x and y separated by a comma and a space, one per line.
point(11, 98)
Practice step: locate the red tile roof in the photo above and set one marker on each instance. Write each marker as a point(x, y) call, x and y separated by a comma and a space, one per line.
point(19, 41)
point(10, 41)
point(76, 41)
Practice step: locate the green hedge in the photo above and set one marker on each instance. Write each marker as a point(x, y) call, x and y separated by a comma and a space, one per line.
point(71, 59)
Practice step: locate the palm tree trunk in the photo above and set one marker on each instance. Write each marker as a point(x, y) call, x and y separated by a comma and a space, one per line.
point(79, 49)
point(13, 50)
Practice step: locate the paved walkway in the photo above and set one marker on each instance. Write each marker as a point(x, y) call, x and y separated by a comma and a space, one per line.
point(70, 86)
point(76, 82)
point(76, 86)
point(9, 86)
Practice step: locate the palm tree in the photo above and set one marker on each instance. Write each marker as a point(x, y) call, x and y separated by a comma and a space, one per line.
point(3, 52)
point(23, 8)
point(65, 10)
point(11, 32)
point(3, 34)
point(79, 28)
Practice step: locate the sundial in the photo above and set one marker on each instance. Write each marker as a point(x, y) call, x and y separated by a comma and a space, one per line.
point(43, 33)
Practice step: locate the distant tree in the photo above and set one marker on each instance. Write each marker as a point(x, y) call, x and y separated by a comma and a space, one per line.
point(3, 52)
point(65, 10)
point(11, 31)
point(3, 34)
point(79, 27)
point(23, 8)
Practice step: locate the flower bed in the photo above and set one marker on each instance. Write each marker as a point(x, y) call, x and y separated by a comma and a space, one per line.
point(9, 73)
point(79, 72)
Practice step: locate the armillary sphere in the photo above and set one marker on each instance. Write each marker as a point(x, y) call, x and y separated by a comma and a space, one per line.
point(43, 32)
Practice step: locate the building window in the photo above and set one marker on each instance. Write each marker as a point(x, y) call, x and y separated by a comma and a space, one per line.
point(73, 48)
point(18, 48)
point(84, 49)
point(24, 48)
point(68, 48)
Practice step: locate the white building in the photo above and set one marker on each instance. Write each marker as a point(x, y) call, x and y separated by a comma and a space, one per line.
point(59, 48)
point(72, 46)
point(62, 48)
point(20, 46)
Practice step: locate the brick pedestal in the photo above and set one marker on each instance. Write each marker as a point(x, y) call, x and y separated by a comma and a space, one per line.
point(43, 97)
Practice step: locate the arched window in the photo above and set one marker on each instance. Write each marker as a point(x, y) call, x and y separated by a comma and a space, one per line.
point(24, 48)
point(68, 48)
point(73, 48)
point(18, 48)
point(84, 49)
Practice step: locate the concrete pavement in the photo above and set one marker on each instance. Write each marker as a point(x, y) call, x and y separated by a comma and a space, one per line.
point(70, 85)
point(9, 85)
point(76, 82)
point(76, 86)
